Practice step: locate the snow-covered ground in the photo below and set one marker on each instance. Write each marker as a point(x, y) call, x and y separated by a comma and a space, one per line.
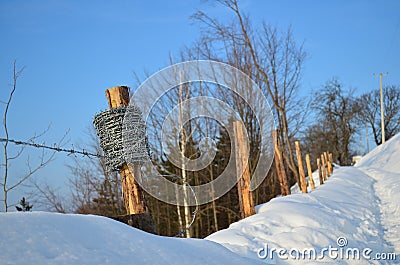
point(354, 218)
point(358, 206)
point(49, 238)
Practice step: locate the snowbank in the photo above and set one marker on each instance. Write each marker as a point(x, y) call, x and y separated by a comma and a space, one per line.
point(386, 156)
point(358, 208)
point(383, 164)
point(343, 207)
point(50, 238)
point(359, 204)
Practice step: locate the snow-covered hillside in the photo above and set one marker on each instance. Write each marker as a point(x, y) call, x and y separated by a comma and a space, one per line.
point(49, 238)
point(359, 205)
point(383, 164)
point(354, 218)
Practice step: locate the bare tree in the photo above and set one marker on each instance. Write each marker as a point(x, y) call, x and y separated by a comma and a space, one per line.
point(47, 197)
point(93, 189)
point(369, 106)
point(272, 59)
point(336, 121)
point(8, 183)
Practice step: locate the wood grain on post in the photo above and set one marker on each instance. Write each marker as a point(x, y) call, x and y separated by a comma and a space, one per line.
point(324, 171)
point(132, 193)
point(242, 165)
point(280, 169)
point(308, 163)
point(330, 163)
point(321, 179)
point(327, 164)
point(303, 181)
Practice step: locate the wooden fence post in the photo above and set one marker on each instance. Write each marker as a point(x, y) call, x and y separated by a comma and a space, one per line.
point(303, 181)
point(321, 179)
point(241, 155)
point(327, 164)
point(310, 172)
point(132, 193)
point(330, 165)
point(280, 169)
point(324, 171)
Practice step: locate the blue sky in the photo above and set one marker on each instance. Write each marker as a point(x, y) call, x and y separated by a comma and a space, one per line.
point(74, 50)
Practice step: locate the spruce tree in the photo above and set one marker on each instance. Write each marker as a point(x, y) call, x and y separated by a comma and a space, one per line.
point(25, 206)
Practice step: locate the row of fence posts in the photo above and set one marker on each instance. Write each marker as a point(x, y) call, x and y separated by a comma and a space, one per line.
point(133, 195)
point(324, 165)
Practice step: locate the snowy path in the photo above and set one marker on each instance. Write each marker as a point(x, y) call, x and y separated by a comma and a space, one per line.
point(387, 188)
point(382, 164)
point(345, 207)
point(359, 205)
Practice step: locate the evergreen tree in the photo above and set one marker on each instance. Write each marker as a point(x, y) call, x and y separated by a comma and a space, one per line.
point(25, 206)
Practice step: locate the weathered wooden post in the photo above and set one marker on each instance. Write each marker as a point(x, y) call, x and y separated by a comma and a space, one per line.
point(321, 179)
point(241, 155)
point(303, 181)
point(132, 193)
point(327, 164)
point(280, 169)
point(310, 172)
point(330, 164)
point(324, 171)
point(109, 125)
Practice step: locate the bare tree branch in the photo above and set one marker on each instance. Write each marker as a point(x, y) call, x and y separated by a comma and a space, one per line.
point(44, 158)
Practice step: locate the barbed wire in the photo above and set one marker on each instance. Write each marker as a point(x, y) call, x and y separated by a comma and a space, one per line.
point(122, 136)
point(97, 155)
point(56, 148)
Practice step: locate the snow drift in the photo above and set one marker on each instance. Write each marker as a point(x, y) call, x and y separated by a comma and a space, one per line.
point(360, 204)
point(357, 208)
point(50, 238)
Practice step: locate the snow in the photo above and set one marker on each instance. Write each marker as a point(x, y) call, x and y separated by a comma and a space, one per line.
point(317, 219)
point(383, 164)
point(50, 238)
point(357, 205)
point(386, 156)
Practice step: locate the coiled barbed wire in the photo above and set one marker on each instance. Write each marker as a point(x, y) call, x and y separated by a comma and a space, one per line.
point(135, 141)
point(108, 126)
point(122, 145)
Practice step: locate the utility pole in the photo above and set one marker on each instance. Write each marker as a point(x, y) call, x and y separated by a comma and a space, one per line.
point(382, 107)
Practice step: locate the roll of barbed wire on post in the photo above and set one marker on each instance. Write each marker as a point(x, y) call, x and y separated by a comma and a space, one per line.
point(136, 147)
point(109, 125)
point(109, 129)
